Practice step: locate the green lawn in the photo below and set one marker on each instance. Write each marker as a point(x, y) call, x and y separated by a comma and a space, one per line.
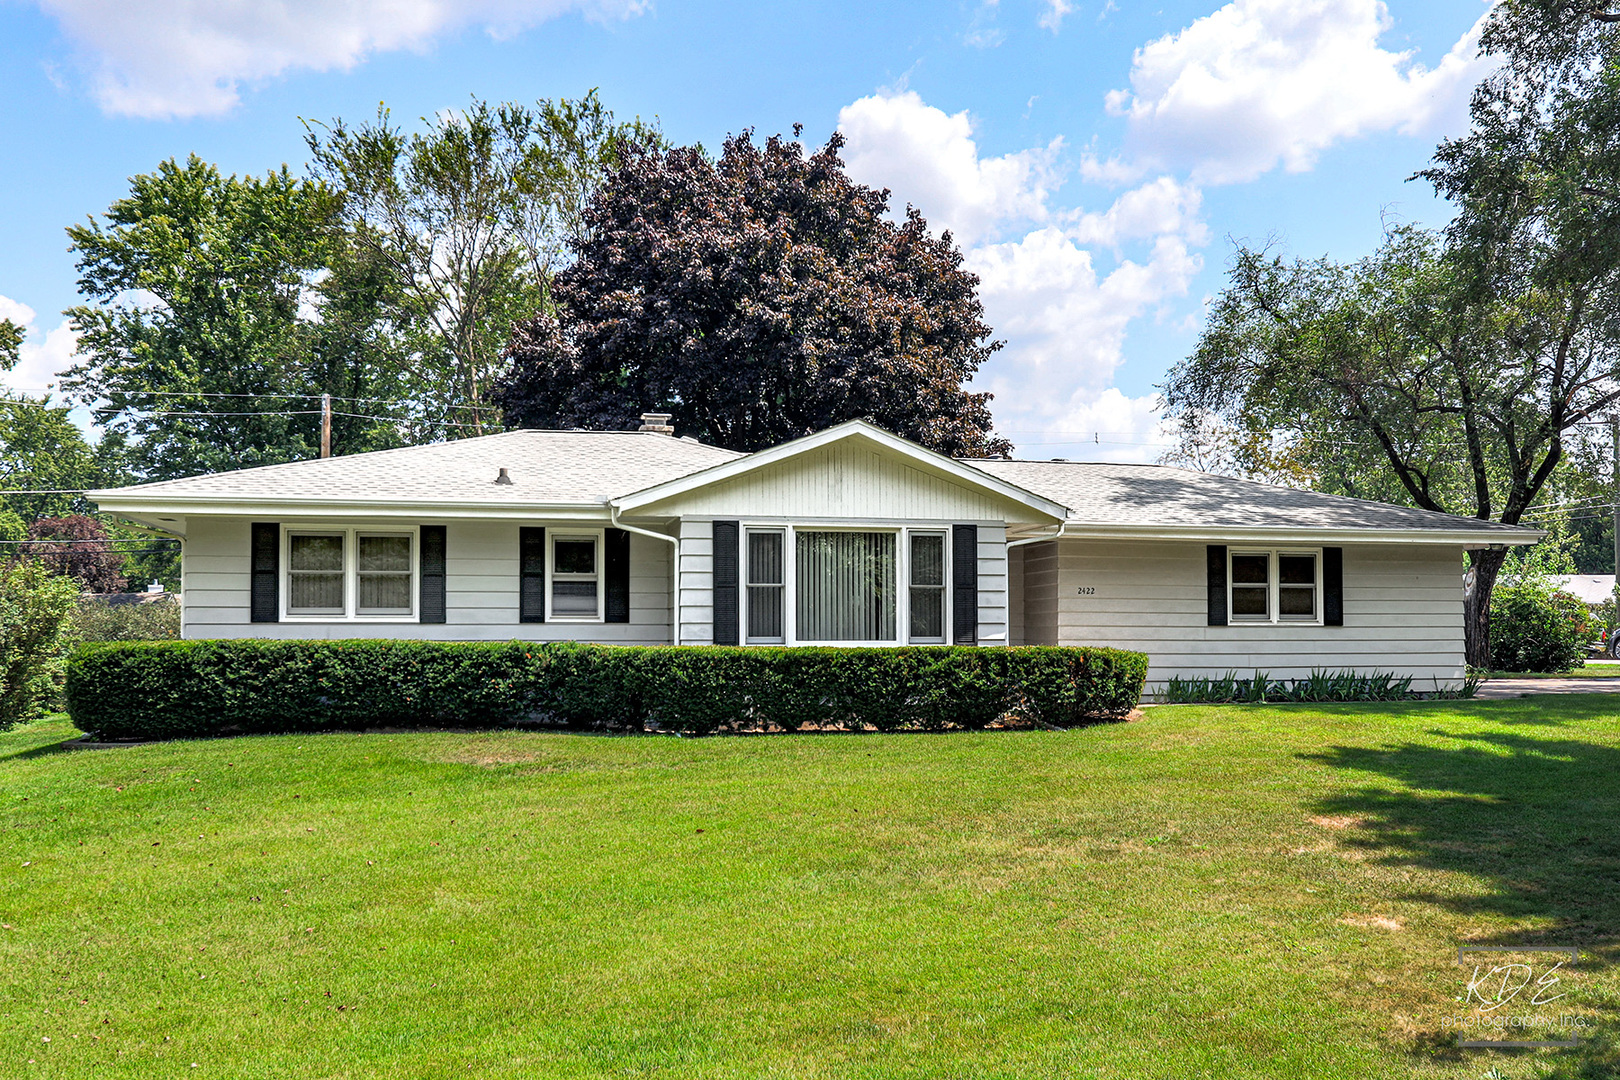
point(1220, 892)
point(1597, 670)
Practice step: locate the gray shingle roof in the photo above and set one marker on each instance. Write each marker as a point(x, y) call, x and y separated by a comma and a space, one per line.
point(1159, 495)
point(546, 467)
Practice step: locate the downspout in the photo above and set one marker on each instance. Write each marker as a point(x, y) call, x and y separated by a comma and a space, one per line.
point(674, 569)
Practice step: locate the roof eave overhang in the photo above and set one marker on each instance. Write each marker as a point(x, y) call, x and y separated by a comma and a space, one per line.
point(1469, 538)
point(917, 456)
point(150, 506)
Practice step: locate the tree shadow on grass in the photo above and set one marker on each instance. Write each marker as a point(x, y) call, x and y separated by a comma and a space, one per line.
point(1534, 820)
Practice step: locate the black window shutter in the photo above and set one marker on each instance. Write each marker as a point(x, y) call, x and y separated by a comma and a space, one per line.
point(726, 559)
point(1333, 586)
point(265, 576)
point(1217, 584)
point(431, 573)
point(531, 574)
point(965, 584)
point(616, 598)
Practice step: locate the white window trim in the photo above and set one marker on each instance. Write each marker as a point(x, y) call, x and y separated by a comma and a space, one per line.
point(351, 572)
point(1273, 587)
point(790, 574)
point(745, 589)
point(944, 586)
point(553, 535)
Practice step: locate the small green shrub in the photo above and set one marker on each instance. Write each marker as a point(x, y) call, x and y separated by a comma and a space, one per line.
point(176, 689)
point(96, 619)
point(1318, 686)
point(34, 608)
point(1535, 627)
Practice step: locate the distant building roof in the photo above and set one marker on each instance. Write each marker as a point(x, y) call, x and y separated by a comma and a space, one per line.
point(1591, 588)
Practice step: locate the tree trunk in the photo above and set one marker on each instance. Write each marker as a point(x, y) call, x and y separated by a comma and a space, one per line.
point(1479, 584)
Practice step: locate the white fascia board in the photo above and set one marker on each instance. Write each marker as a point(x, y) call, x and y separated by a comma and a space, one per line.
point(1470, 538)
point(367, 509)
point(918, 456)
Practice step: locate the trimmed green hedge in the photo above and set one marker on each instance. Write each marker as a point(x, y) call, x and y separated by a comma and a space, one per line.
point(180, 689)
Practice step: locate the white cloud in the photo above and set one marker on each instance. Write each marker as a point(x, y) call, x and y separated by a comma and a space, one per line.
point(1064, 322)
point(1062, 287)
point(44, 353)
point(190, 57)
point(1105, 427)
point(1158, 208)
point(1260, 82)
point(930, 159)
point(1052, 17)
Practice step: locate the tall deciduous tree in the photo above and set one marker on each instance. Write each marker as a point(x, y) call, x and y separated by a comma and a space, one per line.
point(42, 450)
point(193, 337)
point(1450, 371)
point(467, 221)
point(757, 298)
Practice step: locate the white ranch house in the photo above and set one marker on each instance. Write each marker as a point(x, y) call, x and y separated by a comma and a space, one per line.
point(848, 536)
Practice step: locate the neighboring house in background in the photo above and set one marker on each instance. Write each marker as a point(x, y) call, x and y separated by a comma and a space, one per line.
point(1591, 589)
point(849, 536)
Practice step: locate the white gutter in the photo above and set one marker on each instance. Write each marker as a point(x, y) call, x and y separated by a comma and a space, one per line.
point(1053, 535)
point(1511, 535)
point(674, 569)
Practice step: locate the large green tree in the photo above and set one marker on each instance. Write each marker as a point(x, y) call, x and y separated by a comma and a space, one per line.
point(192, 340)
point(756, 297)
point(464, 224)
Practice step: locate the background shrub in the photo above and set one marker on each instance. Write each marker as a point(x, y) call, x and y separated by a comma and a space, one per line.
point(125, 690)
point(34, 609)
point(98, 619)
point(1535, 627)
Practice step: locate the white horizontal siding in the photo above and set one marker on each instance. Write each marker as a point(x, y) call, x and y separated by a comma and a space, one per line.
point(481, 592)
point(992, 585)
point(1015, 595)
point(1402, 612)
point(696, 618)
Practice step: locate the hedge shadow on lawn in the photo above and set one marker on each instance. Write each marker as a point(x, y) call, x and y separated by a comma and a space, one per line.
point(1532, 818)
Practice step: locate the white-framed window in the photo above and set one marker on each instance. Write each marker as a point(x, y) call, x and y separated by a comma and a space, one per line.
point(767, 586)
point(575, 576)
point(349, 573)
point(1274, 585)
point(844, 585)
point(927, 553)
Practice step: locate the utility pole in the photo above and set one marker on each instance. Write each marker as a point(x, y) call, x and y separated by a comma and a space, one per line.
point(326, 443)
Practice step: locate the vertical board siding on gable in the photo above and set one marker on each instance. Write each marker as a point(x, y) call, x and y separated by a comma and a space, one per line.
point(840, 481)
point(1402, 611)
point(481, 592)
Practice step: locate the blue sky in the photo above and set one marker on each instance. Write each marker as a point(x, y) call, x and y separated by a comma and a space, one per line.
point(1093, 157)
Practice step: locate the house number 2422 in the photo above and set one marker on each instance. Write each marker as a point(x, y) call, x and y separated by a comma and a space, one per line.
point(1086, 590)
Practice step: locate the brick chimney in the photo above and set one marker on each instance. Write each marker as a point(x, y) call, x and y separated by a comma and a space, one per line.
point(656, 422)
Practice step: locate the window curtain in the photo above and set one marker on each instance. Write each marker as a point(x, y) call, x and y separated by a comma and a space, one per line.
point(846, 586)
